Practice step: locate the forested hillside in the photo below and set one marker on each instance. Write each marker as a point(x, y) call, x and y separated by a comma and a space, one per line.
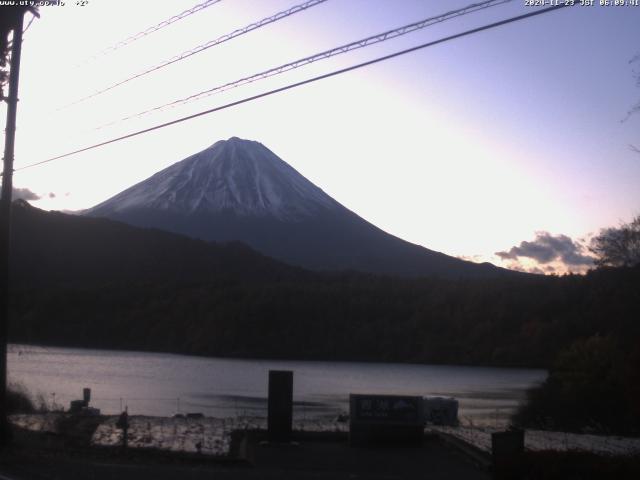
point(98, 283)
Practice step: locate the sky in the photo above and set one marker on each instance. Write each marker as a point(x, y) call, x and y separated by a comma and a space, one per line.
point(511, 146)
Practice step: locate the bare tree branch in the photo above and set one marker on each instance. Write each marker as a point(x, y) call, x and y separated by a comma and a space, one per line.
point(618, 247)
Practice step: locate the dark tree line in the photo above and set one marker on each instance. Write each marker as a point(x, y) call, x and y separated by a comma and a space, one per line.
point(523, 322)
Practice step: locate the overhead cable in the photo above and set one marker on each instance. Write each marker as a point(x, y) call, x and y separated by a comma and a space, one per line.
point(202, 47)
point(154, 28)
point(365, 42)
point(301, 83)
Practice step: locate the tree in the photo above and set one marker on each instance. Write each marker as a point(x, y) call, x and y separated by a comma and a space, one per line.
point(590, 388)
point(636, 74)
point(636, 108)
point(618, 247)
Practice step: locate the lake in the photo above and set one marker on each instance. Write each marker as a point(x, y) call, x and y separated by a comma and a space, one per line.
point(162, 384)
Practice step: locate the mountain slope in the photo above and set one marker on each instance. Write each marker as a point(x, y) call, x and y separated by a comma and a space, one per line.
point(240, 190)
point(52, 249)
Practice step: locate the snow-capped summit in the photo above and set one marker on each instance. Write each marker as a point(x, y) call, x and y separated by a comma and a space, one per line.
point(235, 175)
point(238, 190)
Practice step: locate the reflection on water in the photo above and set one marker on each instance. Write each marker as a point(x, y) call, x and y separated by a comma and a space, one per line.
point(163, 384)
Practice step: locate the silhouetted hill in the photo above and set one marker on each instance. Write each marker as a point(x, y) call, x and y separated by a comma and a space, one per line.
point(57, 249)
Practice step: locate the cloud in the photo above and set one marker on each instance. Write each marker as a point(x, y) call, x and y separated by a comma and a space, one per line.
point(471, 258)
point(518, 267)
point(547, 248)
point(24, 194)
point(537, 271)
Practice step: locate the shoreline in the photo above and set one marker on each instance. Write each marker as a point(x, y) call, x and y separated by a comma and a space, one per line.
point(216, 435)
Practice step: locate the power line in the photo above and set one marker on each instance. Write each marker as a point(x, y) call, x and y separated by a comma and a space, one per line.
point(212, 43)
point(33, 17)
point(152, 29)
point(301, 83)
point(365, 42)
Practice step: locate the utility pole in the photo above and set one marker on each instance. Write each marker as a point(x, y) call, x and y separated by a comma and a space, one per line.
point(5, 217)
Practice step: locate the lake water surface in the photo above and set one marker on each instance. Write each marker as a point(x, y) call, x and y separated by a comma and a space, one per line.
point(162, 384)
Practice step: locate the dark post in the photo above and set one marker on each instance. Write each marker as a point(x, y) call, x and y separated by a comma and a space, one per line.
point(123, 423)
point(507, 450)
point(125, 435)
point(86, 396)
point(5, 216)
point(280, 405)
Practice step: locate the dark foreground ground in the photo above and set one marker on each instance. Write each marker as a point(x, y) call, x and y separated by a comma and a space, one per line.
point(311, 457)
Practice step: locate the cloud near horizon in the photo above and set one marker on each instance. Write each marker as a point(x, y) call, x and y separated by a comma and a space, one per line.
point(548, 254)
point(24, 194)
point(31, 196)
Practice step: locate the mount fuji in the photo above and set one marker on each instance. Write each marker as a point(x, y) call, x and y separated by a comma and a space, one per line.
point(240, 190)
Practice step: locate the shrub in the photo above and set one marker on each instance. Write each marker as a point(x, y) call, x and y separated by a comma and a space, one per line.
point(589, 389)
point(19, 400)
